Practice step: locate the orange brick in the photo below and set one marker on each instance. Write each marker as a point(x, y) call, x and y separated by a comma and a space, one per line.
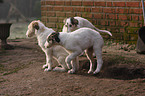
point(111, 16)
point(132, 4)
point(50, 3)
point(133, 24)
point(108, 4)
point(87, 9)
point(124, 17)
point(52, 19)
point(51, 25)
point(88, 3)
point(135, 17)
point(87, 15)
point(58, 8)
point(43, 13)
point(70, 14)
point(135, 11)
point(76, 3)
point(50, 13)
point(122, 10)
point(79, 9)
point(42, 2)
point(141, 17)
point(109, 10)
point(78, 14)
point(99, 3)
point(67, 3)
point(97, 16)
point(60, 14)
point(60, 19)
point(97, 9)
point(112, 23)
point(59, 3)
point(43, 8)
point(50, 8)
point(68, 8)
point(119, 4)
point(124, 23)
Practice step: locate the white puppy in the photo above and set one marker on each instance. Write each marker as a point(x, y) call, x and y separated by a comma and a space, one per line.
point(76, 42)
point(74, 23)
point(56, 52)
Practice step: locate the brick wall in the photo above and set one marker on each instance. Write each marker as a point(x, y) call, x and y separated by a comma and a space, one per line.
point(122, 18)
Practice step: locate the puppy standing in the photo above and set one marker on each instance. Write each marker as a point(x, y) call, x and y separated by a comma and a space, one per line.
point(76, 42)
point(56, 52)
point(74, 23)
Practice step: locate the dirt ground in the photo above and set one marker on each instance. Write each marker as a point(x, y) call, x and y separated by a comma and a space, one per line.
point(21, 73)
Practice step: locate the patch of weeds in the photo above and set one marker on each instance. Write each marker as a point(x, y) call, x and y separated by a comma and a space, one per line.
point(3, 80)
point(132, 82)
point(109, 43)
point(31, 62)
point(127, 47)
point(143, 81)
point(2, 68)
point(15, 70)
point(111, 90)
point(104, 51)
point(120, 95)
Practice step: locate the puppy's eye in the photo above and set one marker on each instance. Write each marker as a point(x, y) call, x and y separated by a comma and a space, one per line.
point(70, 25)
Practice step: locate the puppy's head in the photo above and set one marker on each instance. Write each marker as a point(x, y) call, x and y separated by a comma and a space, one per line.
point(34, 25)
point(52, 39)
point(71, 24)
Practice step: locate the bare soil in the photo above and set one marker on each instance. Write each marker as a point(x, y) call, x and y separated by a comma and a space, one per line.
point(21, 73)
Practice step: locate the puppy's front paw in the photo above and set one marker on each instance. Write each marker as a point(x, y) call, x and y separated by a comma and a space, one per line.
point(44, 66)
point(96, 71)
point(47, 69)
point(71, 71)
point(69, 66)
point(90, 71)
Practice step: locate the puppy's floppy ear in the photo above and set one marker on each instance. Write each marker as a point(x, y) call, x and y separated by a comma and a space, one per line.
point(74, 21)
point(55, 37)
point(35, 25)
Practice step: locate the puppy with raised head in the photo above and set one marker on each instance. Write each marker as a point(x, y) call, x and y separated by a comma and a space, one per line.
point(76, 42)
point(73, 23)
point(57, 52)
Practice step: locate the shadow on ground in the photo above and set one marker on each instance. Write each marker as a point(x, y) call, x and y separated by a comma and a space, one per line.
point(117, 68)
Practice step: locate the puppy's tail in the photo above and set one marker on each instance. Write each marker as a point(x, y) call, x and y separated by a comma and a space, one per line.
point(104, 31)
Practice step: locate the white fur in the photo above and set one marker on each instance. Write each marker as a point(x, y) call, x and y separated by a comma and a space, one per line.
point(76, 42)
point(56, 52)
point(82, 22)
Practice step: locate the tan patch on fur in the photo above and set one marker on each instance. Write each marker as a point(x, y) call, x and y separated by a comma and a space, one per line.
point(35, 25)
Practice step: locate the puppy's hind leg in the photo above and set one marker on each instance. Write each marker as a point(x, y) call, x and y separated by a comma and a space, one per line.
point(98, 52)
point(61, 61)
point(89, 54)
point(71, 57)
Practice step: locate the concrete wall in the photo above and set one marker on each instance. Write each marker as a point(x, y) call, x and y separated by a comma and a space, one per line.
point(123, 18)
